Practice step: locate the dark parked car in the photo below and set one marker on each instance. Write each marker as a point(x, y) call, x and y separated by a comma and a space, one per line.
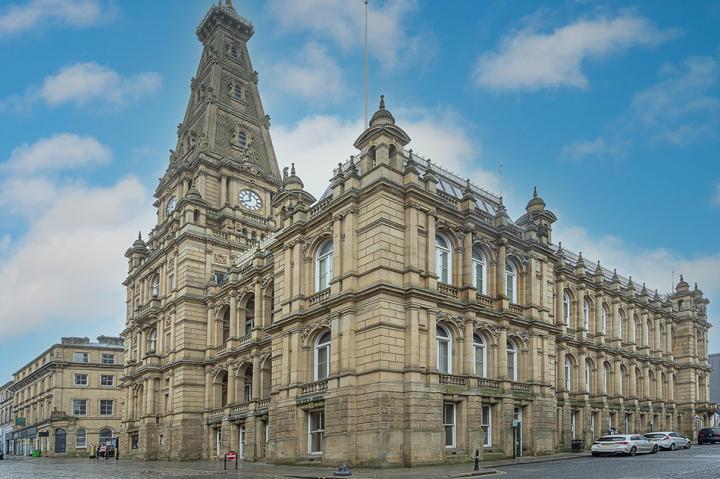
point(709, 435)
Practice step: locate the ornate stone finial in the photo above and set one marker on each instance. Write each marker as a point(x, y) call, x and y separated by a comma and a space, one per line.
point(534, 191)
point(560, 251)
point(140, 235)
point(598, 268)
point(696, 286)
point(410, 153)
point(382, 102)
point(615, 277)
point(292, 168)
point(681, 278)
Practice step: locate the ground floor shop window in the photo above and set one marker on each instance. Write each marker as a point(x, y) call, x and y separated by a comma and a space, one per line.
point(449, 424)
point(486, 423)
point(316, 431)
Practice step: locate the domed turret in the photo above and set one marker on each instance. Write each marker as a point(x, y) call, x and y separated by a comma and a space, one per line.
point(682, 286)
point(382, 116)
point(536, 204)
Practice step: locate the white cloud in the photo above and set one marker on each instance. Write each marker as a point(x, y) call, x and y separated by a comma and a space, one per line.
point(716, 195)
point(57, 152)
point(651, 265)
point(82, 83)
point(679, 107)
point(15, 19)
point(436, 133)
point(315, 76)
point(529, 59)
point(599, 148)
point(343, 21)
point(68, 266)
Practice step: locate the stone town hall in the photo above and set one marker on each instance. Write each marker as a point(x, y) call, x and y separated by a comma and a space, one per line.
point(401, 319)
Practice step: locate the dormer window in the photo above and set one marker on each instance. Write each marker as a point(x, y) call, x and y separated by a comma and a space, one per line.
point(234, 52)
point(242, 139)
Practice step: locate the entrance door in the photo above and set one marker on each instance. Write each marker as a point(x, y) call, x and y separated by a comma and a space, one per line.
point(218, 442)
point(241, 441)
point(517, 431)
point(60, 440)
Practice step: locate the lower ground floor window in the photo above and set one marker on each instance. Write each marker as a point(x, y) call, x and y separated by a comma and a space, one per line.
point(134, 440)
point(316, 431)
point(449, 424)
point(486, 423)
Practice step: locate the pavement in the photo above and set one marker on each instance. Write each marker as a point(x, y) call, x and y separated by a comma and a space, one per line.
point(699, 461)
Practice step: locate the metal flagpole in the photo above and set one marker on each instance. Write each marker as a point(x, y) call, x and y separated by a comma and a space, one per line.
point(366, 65)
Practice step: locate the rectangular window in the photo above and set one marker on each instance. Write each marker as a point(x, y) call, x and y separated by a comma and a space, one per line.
point(242, 442)
point(106, 407)
point(449, 424)
point(80, 357)
point(486, 424)
point(81, 379)
point(106, 380)
point(108, 358)
point(316, 431)
point(510, 287)
point(79, 407)
point(80, 439)
point(134, 440)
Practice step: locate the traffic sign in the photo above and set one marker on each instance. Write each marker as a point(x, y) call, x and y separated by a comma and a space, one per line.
point(231, 456)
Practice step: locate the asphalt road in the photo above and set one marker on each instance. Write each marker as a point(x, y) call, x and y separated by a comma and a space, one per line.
point(696, 462)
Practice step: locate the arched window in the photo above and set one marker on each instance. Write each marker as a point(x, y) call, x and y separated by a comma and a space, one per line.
point(444, 350)
point(478, 260)
point(664, 380)
point(152, 343)
point(603, 320)
point(511, 360)
point(606, 379)
point(106, 435)
point(480, 355)
point(510, 281)
point(80, 439)
point(226, 326)
point(322, 356)
point(588, 375)
point(156, 285)
point(566, 309)
point(586, 315)
point(619, 331)
point(324, 266)
point(443, 260)
point(639, 384)
point(249, 315)
point(624, 381)
point(568, 373)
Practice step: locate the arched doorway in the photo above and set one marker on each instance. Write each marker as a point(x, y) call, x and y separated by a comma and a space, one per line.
point(60, 437)
point(105, 437)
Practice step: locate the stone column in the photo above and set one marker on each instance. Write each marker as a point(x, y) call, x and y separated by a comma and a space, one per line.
point(500, 287)
point(430, 260)
point(223, 190)
point(469, 353)
point(501, 362)
point(259, 300)
point(582, 357)
point(336, 286)
point(233, 316)
point(658, 337)
point(432, 344)
point(142, 346)
point(208, 388)
point(150, 396)
point(618, 379)
point(580, 313)
point(559, 294)
point(256, 378)
point(633, 380)
point(467, 267)
point(231, 386)
point(131, 403)
point(210, 323)
point(560, 386)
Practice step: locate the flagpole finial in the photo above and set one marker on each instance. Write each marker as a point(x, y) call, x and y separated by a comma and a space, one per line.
point(382, 102)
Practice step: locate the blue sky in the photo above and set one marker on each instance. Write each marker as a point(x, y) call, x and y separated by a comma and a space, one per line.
point(612, 109)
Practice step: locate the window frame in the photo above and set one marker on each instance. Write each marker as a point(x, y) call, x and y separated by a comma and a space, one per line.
point(452, 425)
point(588, 376)
point(447, 338)
point(319, 431)
point(486, 427)
point(104, 358)
point(586, 315)
point(441, 250)
point(603, 320)
point(103, 402)
point(568, 372)
point(78, 444)
point(85, 357)
point(478, 260)
point(326, 345)
point(324, 256)
point(75, 407)
point(511, 347)
point(104, 376)
point(78, 375)
point(483, 346)
point(567, 304)
point(510, 281)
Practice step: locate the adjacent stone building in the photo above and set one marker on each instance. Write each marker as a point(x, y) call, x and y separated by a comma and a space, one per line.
point(66, 400)
point(401, 319)
point(6, 419)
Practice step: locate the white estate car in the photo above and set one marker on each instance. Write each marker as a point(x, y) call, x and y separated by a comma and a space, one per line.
point(669, 440)
point(629, 444)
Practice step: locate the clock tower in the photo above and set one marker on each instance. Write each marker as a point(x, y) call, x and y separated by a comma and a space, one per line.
point(214, 203)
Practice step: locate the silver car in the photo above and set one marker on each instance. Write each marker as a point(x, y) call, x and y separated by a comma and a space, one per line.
point(669, 440)
point(629, 444)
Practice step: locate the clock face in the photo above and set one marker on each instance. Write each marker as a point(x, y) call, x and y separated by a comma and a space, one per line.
point(250, 200)
point(171, 205)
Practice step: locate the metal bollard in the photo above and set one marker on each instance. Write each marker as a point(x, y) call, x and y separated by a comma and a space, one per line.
point(477, 460)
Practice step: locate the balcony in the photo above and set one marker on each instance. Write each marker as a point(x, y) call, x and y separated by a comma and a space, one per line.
point(489, 383)
point(215, 416)
point(448, 290)
point(517, 309)
point(147, 310)
point(315, 387)
point(453, 380)
point(264, 403)
point(318, 298)
point(484, 301)
point(521, 387)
